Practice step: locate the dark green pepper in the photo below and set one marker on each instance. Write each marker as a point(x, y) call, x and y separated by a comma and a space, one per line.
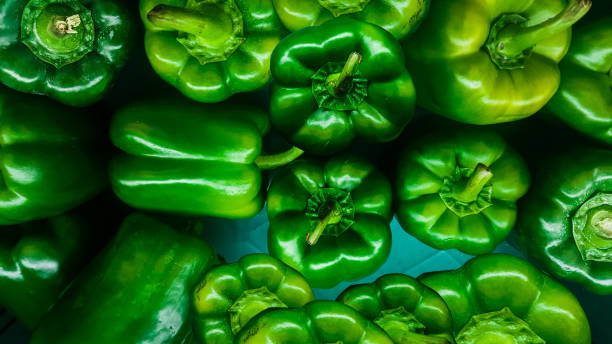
point(457, 188)
point(503, 299)
point(330, 220)
point(230, 295)
point(49, 161)
point(70, 50)
point(137, 290)
point(407, 310)
point(341, 80)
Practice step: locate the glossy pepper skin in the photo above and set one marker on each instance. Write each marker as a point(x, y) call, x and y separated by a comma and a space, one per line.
point(76, 64)
point(406, 309)
point(230, 295)
point(211, 49)
point(319, 322)
point(490, 62)
point(584, 99)
point(565, 222)
point(38, 136)
point(400, 18)
point(478, 293)
point(458, 188)
point(342, 80)
point(330, 219)
point(136, 291)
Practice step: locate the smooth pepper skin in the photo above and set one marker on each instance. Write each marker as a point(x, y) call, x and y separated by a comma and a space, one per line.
point(378, 99)
point(400, 18)
point(189, 158)
point(349, 200)
point(75, 69)
point(492, 282)
point(435, 202)
point(137, 290)
point(549, 226)
point(319, 322)
point(454, 73)
point(232, 50)
point(400, 298)
point(584, 98)
point(50, 162)
point(230, 295)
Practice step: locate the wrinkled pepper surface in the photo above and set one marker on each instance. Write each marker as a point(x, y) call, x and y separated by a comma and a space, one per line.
point(584, 98)
point(490, 62)
point(69, 50)
point(338, 81)
point(503, 299)
point(137, 290)
point(400, 18)
point(330, 220)
point(458, 188)
point(319, 322)
point(191, 158)
point(211, 49)
point(406, 309)
point(50, 160)
point(230, 295)
point(565, 222)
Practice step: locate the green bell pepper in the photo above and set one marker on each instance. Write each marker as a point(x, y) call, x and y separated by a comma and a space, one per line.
point(584, 99)
point(407, 310)
point(49, 161)
point(191, 158)
point(230, 295)
point(490, 62)
point(137, 290)
point(457, 188)
point(211, 49)
point(330, 220)
point(400, 18)
point(320, 103)
point(565, 222)
point(69, 50)
point(319, 322)
point(499, 298)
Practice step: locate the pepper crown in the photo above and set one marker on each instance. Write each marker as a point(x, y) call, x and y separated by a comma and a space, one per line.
point(251, 303)
point(467, 191)
point(500, 327)
point(332, 212)
point(340, 7)
point(338, 86)
point(592, 228)
point(403, 327)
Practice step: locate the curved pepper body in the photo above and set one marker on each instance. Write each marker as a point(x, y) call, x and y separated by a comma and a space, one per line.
point(318, 322)
point(136, 291)
point(436, 204)
point(101, 50)
point(491, 283)
point(378, 101)
point(189, 158)
point(349, 200)
point(48, 158)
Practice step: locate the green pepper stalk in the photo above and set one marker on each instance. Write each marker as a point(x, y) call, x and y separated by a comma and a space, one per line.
point(469, 191)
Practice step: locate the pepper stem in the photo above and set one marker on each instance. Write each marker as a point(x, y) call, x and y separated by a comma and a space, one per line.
point(330, 214)
point(602, 221)
point(516, 38)
point(181, 19)
point(340, 85)
point(66, 25)
point(472, 188)
point(269, 162)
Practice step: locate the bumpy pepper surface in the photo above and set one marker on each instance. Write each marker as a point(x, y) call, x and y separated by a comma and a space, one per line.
point(341, 80)
point(503, 299)
point(70, 50)
point(565, 222)
point(319, 322)
point(584, 98)
point(330, 220)
point(38, 136)
point(230, 295)
point(211, 49)
point(406, 309)
point(400, 18)
point(457, 188)
point(191, 158)
point(490, 62)
point(137, 290)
